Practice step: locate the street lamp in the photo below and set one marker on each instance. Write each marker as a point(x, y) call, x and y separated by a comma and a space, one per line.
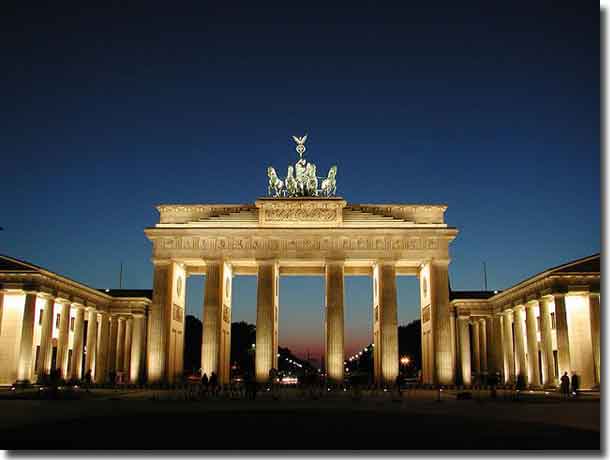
point(404, 360)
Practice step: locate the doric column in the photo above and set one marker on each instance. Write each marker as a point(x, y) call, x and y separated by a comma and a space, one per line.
point(498, 348)
point(120, 349)
point(137, 347)
point(578, 312)
point(464, 340)
point(91, 339)
point(63, 337)
point(1, 307)
point(437, 344)
point(46, 331)
point(77, 342)
point(520, 346)
point(563, 343)
point(386, 322)
point(532, 344)
point(127, 350)
point(24, 366)
point(491, 345)
point(483, 345)
point(266, 318)
point(216, 343)
point(595, 337)
point(476, 348)
point(546, 343)
point(160, 318)
point(334, 320)
point(101, 359)
point(113, 343)
point(509, 358)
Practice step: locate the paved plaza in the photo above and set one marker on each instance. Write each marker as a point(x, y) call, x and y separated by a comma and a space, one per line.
point(162, 419)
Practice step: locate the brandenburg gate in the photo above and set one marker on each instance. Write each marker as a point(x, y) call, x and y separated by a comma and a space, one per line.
point(301, 229)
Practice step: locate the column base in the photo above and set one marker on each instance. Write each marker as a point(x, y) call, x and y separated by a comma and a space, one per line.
point(23, 384)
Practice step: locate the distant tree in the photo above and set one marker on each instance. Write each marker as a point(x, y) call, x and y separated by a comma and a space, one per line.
point(243, 336)
point(409, 343)
point(193, 332)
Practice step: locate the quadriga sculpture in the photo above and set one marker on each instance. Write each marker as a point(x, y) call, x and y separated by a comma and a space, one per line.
point(292, 187)
point(301, 173)
point(312, 180)
point(275, 184)
point(329, 185)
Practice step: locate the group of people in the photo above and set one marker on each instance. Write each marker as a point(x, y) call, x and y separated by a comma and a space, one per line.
point(210, 385)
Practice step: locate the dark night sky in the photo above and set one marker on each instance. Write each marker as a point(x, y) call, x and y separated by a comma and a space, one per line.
point(493, 110)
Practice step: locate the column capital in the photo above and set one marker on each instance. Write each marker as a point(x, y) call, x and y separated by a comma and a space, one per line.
point(507, 312)
point(271, 261)
point(45, 295)
point(578, 289)
point(333, 261)
point(62, 300)
point(161, 262)
point(463, 316)
point(519, 307)
point(388, 262)
point(77, 306)
point(532, 303)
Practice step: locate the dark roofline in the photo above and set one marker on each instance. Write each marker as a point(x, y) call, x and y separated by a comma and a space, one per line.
point(458, 295)
point(122, 293)
point(32, 268)
point(477, 295)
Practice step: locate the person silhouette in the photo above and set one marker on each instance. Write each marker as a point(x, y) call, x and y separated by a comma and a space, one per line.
point(88, 380)
point(213, 383)
point(565, 386)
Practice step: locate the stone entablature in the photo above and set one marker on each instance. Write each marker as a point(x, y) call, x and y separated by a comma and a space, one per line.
point(62, 288)
point(298, 244)
point(305, 212)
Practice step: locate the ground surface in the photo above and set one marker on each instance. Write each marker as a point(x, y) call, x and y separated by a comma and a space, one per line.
point(106, 419)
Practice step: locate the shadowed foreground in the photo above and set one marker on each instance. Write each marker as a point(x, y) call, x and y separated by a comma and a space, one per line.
point(341, 423)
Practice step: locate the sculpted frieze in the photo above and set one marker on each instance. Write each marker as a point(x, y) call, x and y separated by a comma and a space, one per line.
point(291, 244)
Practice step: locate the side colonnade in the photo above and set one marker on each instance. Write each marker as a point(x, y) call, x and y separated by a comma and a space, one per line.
point(46, 333)
point(533, 341)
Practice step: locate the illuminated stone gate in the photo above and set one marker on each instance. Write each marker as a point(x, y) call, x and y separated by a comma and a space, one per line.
point(299, 236)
